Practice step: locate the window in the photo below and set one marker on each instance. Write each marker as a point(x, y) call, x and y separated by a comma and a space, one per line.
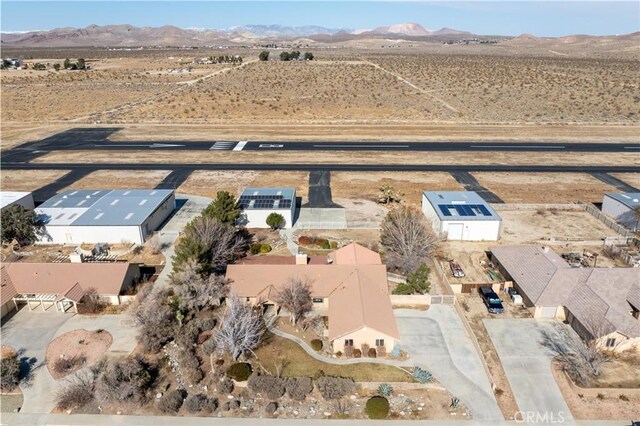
point(348, 342)
point(379, 342)
point(611, 342)
point(318, 300)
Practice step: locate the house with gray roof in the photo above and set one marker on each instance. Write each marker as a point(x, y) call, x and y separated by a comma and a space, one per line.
point(110, 216)
point(602, 303)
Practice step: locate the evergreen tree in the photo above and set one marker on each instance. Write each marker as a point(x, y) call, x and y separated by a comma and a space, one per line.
point(225, 208)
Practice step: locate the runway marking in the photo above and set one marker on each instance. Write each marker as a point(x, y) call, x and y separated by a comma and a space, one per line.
point(153, 145)
point(632, 147)
point(520, 146)
point(221, 145)
point(240, 145)
point(361, 146)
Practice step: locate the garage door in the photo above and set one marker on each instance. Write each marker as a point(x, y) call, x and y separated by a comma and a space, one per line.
point(454, 231)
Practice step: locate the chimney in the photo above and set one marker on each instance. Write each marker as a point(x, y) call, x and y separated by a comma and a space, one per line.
point(301, 259)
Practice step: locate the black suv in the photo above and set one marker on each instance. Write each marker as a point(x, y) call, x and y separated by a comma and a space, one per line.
point(491, 299)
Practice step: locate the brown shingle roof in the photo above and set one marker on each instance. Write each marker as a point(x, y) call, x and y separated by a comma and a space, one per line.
point(355, 254)
point(61, 278)
point(358, 293)
point(7, 290)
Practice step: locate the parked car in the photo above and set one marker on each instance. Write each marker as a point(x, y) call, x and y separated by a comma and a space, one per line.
point(456, 269)
point(515, 296)
point(491, 300)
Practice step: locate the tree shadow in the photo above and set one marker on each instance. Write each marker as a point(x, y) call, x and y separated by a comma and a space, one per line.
point(28, 367)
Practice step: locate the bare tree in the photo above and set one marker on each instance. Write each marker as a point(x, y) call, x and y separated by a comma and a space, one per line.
point(582, 357)
point(295, 297)
point(196, 291)
point(124, 379)
point(157, 320)
point(241, 329)
point(407, 239)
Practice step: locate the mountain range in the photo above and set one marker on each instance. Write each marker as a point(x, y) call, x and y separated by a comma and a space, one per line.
point(168, 35)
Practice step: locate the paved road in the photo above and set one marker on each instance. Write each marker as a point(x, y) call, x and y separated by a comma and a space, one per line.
point(436, 340)
point(527, 363)
point(109, 420)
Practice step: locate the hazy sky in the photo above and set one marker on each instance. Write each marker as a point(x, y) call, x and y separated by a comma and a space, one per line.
point(550, 18)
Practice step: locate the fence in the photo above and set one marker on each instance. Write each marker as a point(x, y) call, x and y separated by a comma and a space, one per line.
point(593, 211)
point(337, 225)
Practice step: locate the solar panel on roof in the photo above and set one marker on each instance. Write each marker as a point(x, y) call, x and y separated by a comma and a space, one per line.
point(484, 210)
point(460, 210)
point(445, 210)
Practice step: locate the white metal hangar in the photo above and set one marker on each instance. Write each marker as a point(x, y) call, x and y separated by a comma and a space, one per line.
point(110, 216)
point(12, 198)
point(461, 216)
point(623, 208)
point(258, 203)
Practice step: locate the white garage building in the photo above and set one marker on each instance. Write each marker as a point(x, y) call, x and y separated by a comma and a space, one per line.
point(461, 216)
point(622, 207)
point(109, 216)
point(11, 198)
point(258, 203)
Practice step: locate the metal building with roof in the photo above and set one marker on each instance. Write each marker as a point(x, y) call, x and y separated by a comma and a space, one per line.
point(258, 203)
point(461, 215)
point(111, 216)
point(623, 207)
point(11, 198)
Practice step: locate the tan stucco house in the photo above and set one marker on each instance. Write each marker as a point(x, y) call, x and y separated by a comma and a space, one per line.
point(601, 303)
point(349, 286)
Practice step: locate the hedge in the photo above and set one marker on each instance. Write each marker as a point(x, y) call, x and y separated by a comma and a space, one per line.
point(316, 344)
point(240, 371)
point(377, 407)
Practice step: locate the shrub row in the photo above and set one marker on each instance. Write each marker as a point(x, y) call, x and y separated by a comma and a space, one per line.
point(305, 240)
point(257, 248)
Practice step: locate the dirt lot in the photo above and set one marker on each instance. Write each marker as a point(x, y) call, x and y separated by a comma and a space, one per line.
point(544, 187)
point(522, 226)
point(28, 180)
point(208, 183)
point(89, 345)
point(120, 179)
point(365, 237)
point(341, 157)
point(604, 404)
point(475, 311)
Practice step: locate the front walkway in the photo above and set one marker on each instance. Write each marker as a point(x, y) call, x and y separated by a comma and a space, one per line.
point(436, 341)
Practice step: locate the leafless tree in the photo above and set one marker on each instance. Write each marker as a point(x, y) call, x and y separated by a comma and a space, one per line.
point(582, 357)
point(157, 320)
point(407, 239)
point(295, 297)
point(241, 329)
point(77, 391)
point(124, 379)
point(197, 292)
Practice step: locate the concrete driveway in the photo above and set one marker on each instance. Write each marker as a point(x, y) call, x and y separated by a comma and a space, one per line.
point(30, 333)
point(436, 340)
point(527, 364)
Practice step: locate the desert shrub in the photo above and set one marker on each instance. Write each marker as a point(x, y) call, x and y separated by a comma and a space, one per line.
point(240, 371)
point(269, 386)
point(377, 407)
point(209, 346)
point(219, 362)
point(334, 387)
point(66, 365)
point(172, 401)
point(255, 248)
point(326, 245)
point(348, 351)
point(316, 344)
point(298, 387)
point(333, 245)
point(212, 404)
point(265, 248)
point(357, 353)
point(187, 337)
point(372, 353)
point(455, 403)
point(271, 408)
point(306, 240)
point(338, 354)
point(157, 319)
point(385, 389)
point(208, 324)
point(191, 367)
point(421, 375)
point(623, 397)
point(600, 396)
point(231, 405)
point(9, 373)
point(77, 392)
point(225, 386)
point(124, 379)
point(322, 242)
point(196, 403)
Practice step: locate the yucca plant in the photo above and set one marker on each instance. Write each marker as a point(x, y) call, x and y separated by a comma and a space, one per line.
point(455, 403)
point(385, 390)
point(421, 375)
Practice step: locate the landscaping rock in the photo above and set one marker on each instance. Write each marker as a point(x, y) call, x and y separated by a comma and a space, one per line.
point(159, 395)
point(326, 413)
